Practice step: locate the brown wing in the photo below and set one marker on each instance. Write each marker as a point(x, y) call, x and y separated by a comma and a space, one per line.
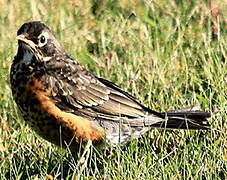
point(77, 90)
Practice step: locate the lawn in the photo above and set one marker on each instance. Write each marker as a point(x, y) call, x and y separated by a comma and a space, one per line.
point(161, 52)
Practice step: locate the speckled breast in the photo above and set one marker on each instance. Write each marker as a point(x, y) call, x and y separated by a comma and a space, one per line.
point(24, 84)
point(33, 97)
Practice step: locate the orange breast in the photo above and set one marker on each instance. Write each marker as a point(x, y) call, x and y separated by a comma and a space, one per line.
point(73, 126)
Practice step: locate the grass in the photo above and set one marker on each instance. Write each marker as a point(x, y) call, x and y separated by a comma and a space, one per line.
point(161, 52)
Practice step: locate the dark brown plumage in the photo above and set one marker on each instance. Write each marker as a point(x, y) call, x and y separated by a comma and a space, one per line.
point(60, 98)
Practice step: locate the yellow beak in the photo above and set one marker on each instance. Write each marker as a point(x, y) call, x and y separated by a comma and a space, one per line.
point(21, 37)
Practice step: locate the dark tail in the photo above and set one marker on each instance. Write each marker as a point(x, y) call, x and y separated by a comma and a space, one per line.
point(189, 118)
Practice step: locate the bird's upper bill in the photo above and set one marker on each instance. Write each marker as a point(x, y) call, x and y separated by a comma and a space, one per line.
point(21, 37)
point(24, 38)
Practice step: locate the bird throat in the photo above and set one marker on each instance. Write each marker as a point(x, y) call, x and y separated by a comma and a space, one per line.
point(27, 56)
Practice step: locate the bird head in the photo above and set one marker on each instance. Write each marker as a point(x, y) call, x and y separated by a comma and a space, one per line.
point(36, 40)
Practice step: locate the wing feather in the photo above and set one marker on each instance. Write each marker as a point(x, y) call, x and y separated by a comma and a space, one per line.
point(84, 93)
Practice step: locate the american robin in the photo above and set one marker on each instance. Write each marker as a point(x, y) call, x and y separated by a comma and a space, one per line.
point(62, 101)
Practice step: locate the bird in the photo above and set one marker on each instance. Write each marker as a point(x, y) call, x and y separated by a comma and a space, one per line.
point(63, 102)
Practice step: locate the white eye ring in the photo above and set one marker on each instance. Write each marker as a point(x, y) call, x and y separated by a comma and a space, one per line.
point(42, 40)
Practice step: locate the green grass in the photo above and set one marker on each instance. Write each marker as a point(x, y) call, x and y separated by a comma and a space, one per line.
point(160, 52)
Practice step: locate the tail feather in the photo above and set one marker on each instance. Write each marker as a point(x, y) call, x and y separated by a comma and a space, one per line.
point(189, 118)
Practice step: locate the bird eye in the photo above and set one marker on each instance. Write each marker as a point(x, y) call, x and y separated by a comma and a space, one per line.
point(42, 39)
